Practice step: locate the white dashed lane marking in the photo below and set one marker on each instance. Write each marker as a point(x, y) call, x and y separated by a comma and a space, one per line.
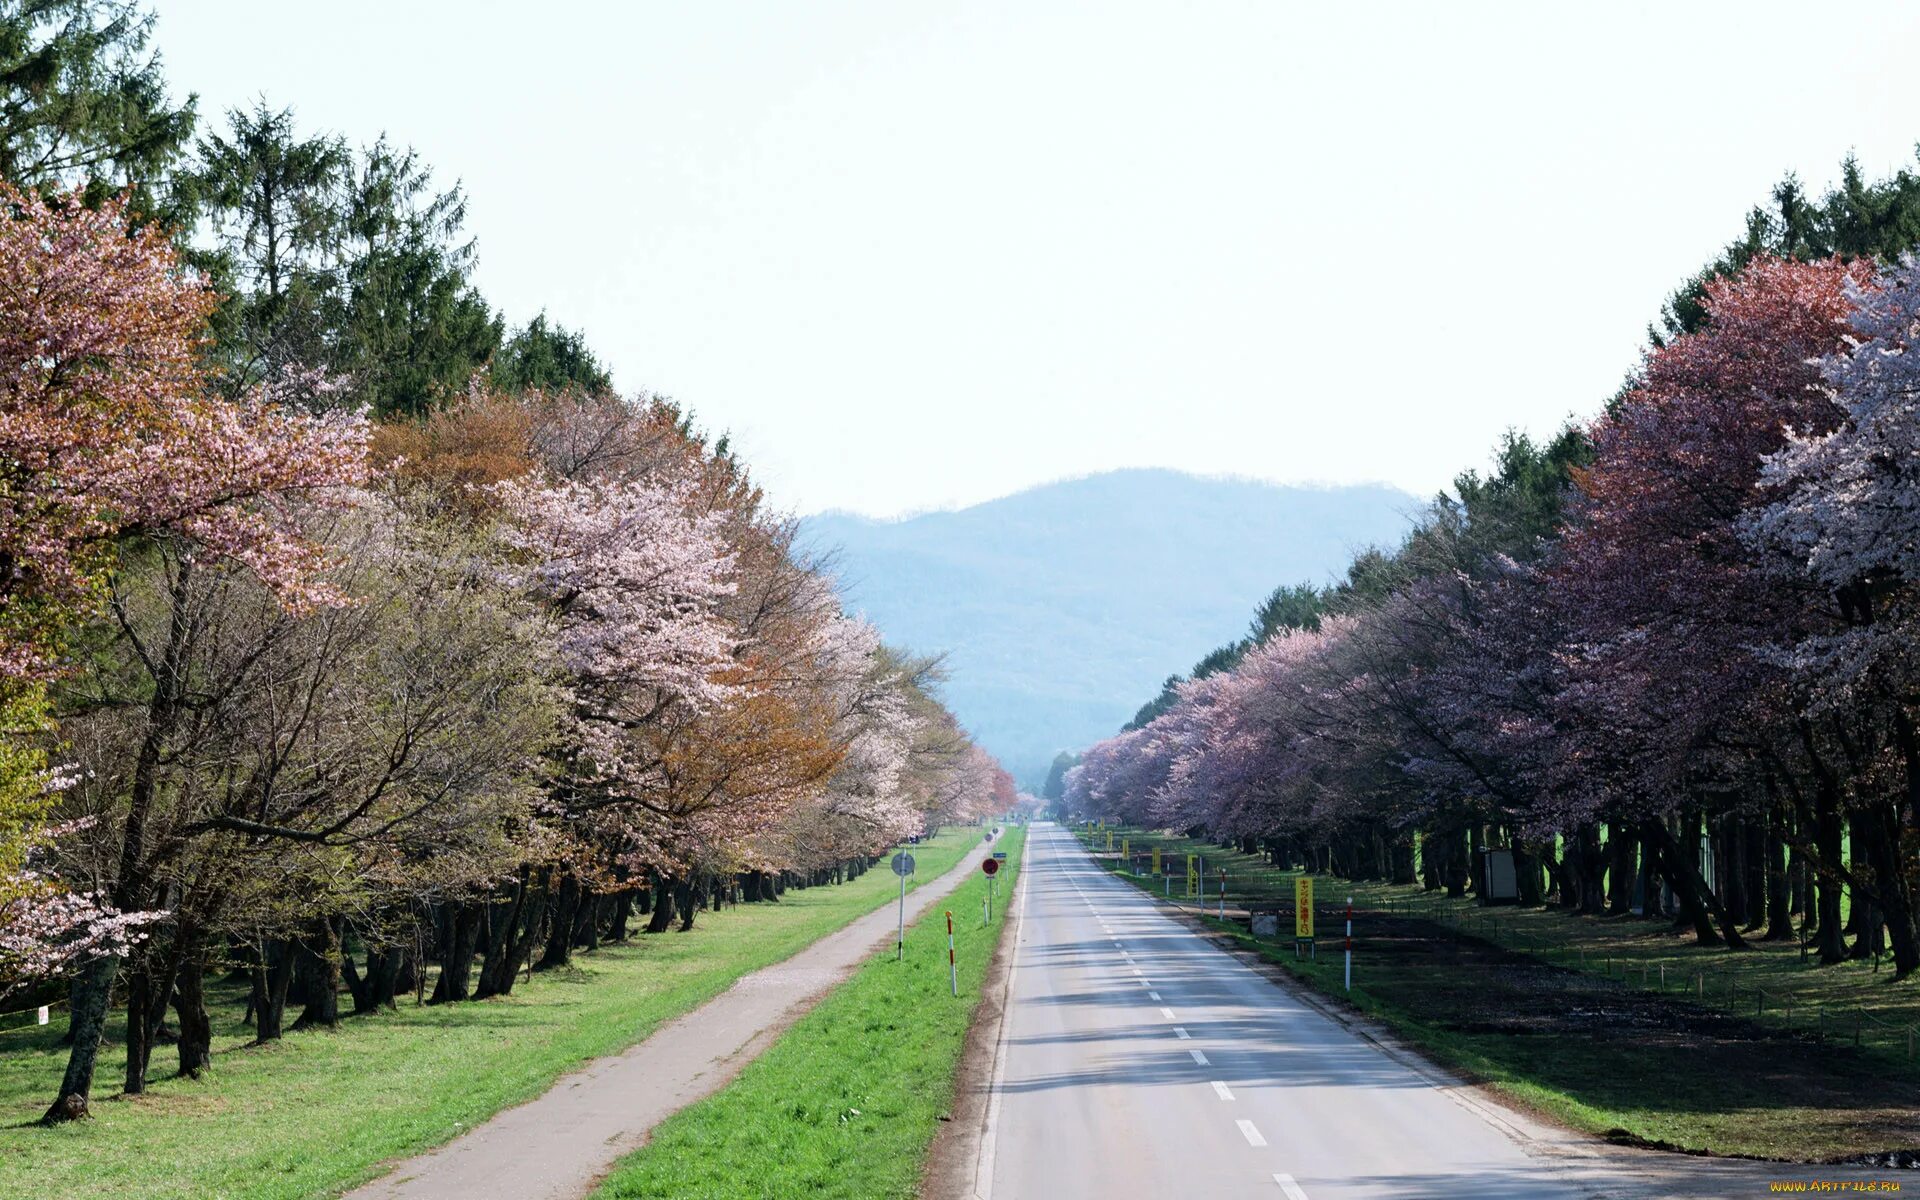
point(1220, 1090)
point(1199, 1058)
point(1252, 1135)
point(1292, 1189)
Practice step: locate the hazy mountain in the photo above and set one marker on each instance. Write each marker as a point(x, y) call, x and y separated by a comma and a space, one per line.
point(1062, 608)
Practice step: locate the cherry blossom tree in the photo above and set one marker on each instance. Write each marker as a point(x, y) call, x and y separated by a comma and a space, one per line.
point(111, 434)
point(1844, 519)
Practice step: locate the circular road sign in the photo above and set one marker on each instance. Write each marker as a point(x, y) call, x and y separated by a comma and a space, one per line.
point(903, 863)
point(989, 865)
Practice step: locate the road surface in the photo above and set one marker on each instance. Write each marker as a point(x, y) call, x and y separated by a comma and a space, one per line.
point(1136, 1059)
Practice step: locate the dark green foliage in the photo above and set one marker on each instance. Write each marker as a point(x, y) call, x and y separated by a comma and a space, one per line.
point(1296, 606)
point(539, 355)
point(1056, 786)
point(412, 330)
point(350, 262)
point(270, 200)
point(82, 100)
point(1879, 219)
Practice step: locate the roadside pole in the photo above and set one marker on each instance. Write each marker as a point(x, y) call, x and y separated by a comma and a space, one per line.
point(953, 972)
point(902, 866)
point(1349, 943)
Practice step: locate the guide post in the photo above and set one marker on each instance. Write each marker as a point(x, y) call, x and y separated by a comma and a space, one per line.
point(1349, 943)
point(903, 867)
point(1302, 914)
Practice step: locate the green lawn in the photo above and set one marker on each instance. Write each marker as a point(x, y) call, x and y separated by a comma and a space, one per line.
point(847, 1102)
point(1549, 1009)
point(319, 1111)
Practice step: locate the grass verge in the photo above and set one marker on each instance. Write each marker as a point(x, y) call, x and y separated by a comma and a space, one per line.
point(320, 1110)
point(847, 1102)
point(1594, 1052)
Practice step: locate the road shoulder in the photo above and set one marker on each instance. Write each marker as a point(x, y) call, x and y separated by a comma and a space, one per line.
point(958, 1163)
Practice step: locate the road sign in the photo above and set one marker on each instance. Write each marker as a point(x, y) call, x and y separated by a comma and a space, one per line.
point(990, 865)
point(1156, 860)
point(902, 863)
point(1000, 854)
point(1193, 877)
point(1126, 851)
point(1109, 839)
point(1303, 906)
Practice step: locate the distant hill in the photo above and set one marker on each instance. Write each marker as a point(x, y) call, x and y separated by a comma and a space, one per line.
point(1064, 607)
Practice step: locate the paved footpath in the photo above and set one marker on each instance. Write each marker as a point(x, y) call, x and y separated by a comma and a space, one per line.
point(1139, 1060)
point(557, 1147)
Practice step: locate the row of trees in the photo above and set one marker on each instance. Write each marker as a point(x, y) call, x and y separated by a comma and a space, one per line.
point(1667, 657)
point(341, 639)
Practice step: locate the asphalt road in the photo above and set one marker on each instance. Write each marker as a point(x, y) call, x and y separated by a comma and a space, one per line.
point(1137, 1060)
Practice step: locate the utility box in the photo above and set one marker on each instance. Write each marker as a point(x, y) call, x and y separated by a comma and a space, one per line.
point(1499, 882)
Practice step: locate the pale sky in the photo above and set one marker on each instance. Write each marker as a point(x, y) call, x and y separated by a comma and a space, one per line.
point(918, 255)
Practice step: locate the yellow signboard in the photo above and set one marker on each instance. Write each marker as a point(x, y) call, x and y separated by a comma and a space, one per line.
point(1303, 906)
point(1156, 860)
point(1193, 878)
point(1125, 851)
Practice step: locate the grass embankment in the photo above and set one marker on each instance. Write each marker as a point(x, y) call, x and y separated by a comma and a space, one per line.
point(319, 1110)
point(1501, 996)
point(847, 1102)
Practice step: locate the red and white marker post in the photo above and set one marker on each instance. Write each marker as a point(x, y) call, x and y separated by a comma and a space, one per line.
point(1349, 943)
point(953, 972)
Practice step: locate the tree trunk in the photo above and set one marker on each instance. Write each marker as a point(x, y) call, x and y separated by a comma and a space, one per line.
point(1881, 825)
point(661, 919)
point(1827, 837)
point(622, 913)
point(1658, 839)
point(190, 1002)
point(559, 951)
point(272, 979)
point(462, 922)
point(1620, 868)
point(140, 1003)
point(87, 1006)
point(1696, 898)
point(318, 971)
point(1779, 898)
point(500, 964)
point(690, 897)
point(586, 927)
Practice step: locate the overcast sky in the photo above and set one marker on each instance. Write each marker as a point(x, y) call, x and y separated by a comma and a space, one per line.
point(916, 255)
